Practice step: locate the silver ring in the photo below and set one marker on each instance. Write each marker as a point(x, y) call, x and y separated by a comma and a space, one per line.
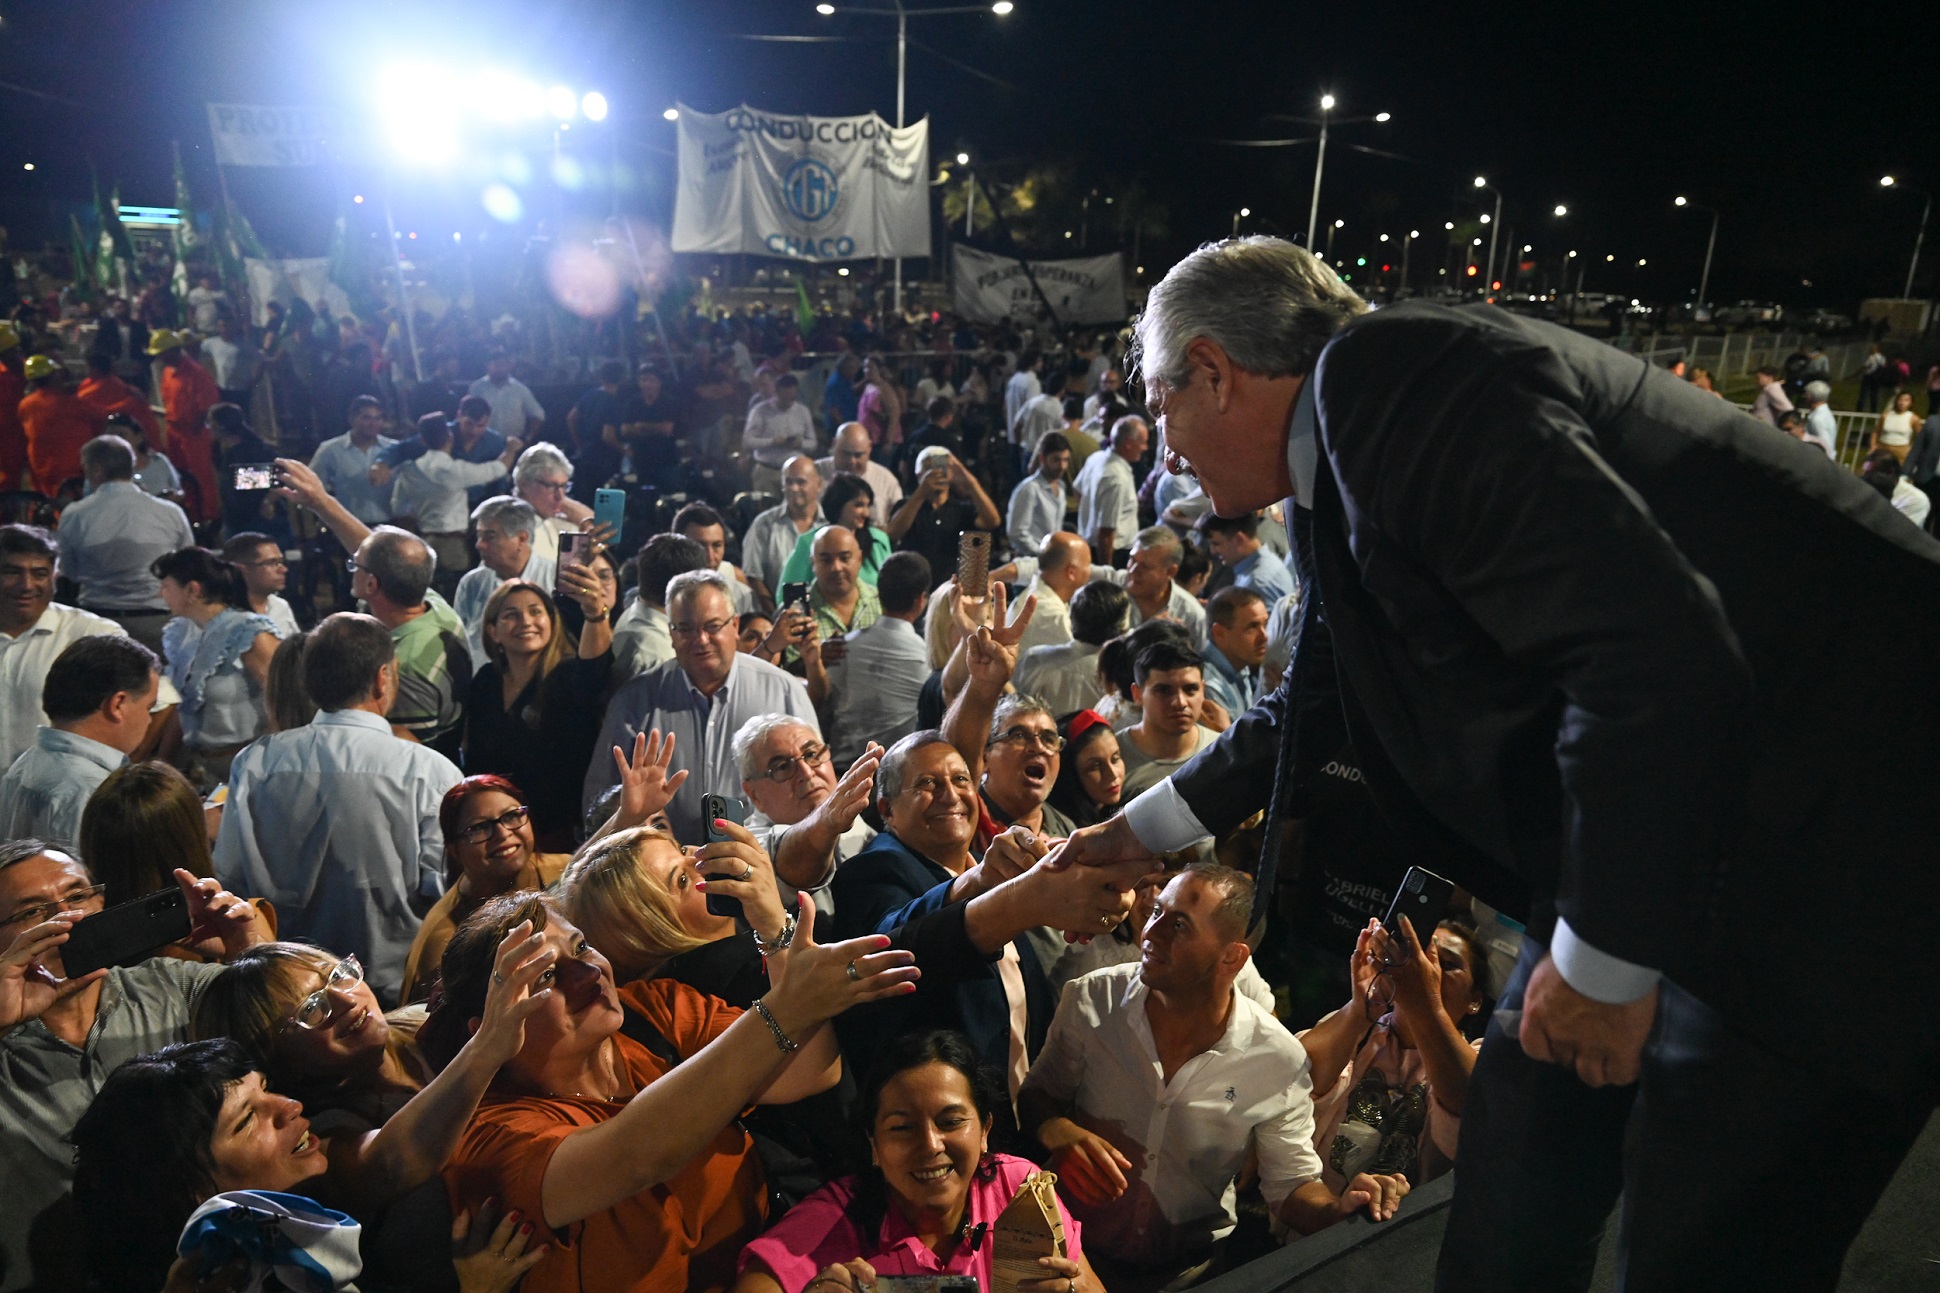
point(496, 979)
point(854, 976)
point(747, 871)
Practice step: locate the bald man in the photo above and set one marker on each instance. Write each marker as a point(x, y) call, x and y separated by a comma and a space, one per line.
point(850, 453)
point(772, 535)
point(1063, 567)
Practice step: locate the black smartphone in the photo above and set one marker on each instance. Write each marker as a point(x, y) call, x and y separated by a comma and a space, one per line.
point(734, 810)
point(1423, 899)
point(794, 595)
point(124, 933)
point(254, 477)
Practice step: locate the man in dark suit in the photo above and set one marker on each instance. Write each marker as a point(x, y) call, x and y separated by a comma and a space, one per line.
point(967, 921)
point(1584, 626)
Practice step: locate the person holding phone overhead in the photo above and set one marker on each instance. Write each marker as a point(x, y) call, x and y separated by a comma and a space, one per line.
point(947, 501)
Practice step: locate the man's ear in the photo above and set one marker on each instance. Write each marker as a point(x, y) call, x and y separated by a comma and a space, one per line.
point(1208, 362)
point(1138, 694)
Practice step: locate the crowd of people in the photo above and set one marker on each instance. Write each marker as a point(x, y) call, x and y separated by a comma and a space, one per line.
point(668, 899)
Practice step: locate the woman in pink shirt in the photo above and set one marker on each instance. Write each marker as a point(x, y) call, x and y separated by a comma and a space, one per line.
point(881, 406)
point(934, 1195)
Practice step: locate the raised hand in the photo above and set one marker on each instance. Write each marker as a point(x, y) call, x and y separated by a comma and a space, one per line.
point(583, 586)
point(28, 989)
point(812, 983)
point(647, 784)
point(737, 867)
point(301, 485)
point(852, 792)
point(216, 915)
point(510, 1000)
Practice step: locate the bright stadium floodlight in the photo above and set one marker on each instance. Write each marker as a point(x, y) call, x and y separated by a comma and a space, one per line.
point(592, 105)
point(418, 104)
point(504, 97)
point(963, 159)
point(825, 9)
point(1002, 7)
point(671, 114)
point(561, 103)
point(1384, 116)
point(1887, 181)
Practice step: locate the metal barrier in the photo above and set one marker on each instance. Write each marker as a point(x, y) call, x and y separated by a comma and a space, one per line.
point(1853, 431)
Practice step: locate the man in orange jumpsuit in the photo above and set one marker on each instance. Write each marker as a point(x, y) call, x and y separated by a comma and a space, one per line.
point(107, 394)
point(13, 384)
point(57, 424)
point(188, 393)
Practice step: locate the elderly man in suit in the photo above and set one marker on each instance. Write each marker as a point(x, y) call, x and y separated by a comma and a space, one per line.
point(1575, 618)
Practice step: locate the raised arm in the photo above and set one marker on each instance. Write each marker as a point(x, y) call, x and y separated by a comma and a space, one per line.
point(988, 517)
point(663, 1127)
point(301, 485)
point(805, 856)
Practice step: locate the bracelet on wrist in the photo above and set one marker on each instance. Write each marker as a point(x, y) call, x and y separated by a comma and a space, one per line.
point(779, 943)
point(787, 1044)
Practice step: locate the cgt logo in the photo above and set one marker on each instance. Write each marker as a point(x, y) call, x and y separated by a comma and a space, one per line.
point(809, 190)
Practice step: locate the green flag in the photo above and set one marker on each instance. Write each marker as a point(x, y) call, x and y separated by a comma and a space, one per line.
point(79, 252)
point(186, 239)
point(804, 313)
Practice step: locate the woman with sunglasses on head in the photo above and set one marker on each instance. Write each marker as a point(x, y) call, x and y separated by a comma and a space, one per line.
point(533, 712)
point(926, 1201)
point(1391, 1068)
point(171, 1129)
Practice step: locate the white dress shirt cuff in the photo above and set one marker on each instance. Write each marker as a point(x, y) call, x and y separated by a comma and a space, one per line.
point(1597, 975)
point(1162, 821)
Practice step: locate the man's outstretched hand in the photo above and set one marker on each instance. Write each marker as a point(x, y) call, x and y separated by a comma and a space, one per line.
point(1106, 844)
point(1603, 1043)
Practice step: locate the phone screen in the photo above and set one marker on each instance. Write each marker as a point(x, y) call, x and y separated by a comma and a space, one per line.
point(249, 478)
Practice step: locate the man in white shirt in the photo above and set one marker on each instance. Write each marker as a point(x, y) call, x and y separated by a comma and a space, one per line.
point(97, 699)
point(777, 429)
point(1158, 1081)
point(708, 528)
point(701, 697)
point(1108, 492)
point(1170, 691)
point(1023, 386)
point(1037, 504)
point(1110, 383)
point(516, 414)
point(431, 489)
point(336, 822)
point(640, 636)
point(1063, 567)
point(233, 361)
point(502, 529)
point(1150, 576)
point(1041, 413)
point(772, 535)
point(110, 538)
point(541, 477)
point(875, 686)
point(809, 822)
point(1065, 675)
point(34, 630)
point(266, 573)
point(849, 452)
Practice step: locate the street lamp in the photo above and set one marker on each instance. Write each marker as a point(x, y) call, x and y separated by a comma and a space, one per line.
point(1338, 224)
point(1560, 210)
point(902, 14)
point(1326, 121)
point(1239, 215)
point(1710, 245)
point(1494, 224)
point(1919, 239)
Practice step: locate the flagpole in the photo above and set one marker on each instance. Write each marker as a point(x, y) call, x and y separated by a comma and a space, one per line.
point(403, 292)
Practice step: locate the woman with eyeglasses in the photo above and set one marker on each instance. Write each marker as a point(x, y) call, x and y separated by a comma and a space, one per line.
point(533, 712)
point(489, 850)
point(1391, 1068)
point(199, 1118)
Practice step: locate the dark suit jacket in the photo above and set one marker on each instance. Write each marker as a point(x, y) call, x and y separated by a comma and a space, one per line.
point(1923, 456)
point(890, 889)
point(1594, 633)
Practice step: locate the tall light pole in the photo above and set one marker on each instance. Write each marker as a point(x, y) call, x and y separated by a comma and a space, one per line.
point(1407, 245)
point(1239, 215)
point(902, 14)
point(969, 195)
point(1495, 227)
point(1919, 239)
point(1330, 238)
point(1711, 245)
point(1325, 120)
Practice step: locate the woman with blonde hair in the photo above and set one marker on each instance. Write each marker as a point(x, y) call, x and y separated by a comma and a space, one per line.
point(533, 713)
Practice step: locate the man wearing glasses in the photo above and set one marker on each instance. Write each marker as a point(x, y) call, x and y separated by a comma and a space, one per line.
point(701, 698)
point(809, 822)
point(61, 1037)
point(1012, 740)
point(267, 574)
point(541, 477)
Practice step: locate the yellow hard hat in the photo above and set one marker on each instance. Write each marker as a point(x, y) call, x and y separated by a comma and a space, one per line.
point(39, 366)
point(162, 339)
point(9, 335)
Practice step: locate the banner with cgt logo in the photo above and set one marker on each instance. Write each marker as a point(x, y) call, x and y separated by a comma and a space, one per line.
point(801, 188)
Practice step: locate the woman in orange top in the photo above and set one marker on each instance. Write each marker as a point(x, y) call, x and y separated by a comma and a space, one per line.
point(188, 393)
point(636, 1171)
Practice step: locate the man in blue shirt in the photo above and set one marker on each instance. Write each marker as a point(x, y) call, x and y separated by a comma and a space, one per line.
point(1236, 647)
point(1234, 542)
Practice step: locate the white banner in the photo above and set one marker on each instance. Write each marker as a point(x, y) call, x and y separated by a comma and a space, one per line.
point(283, 281)
point(1089, 289)
point(255, 135)
point(802, 188)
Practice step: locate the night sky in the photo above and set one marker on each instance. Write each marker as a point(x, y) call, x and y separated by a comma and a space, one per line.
point(1610, 109)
